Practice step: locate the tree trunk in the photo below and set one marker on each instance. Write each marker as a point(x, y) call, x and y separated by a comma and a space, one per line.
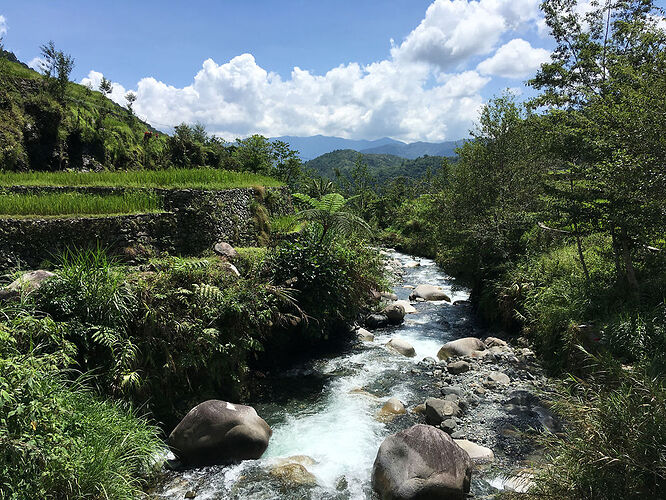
point(579, 245)
point(630, 272)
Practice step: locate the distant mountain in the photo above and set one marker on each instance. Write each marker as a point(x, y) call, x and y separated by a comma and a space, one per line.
point(381, 166)
point(317, 145)
point(416, 149)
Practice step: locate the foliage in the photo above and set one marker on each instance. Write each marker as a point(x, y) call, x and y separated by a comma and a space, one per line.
point(48, 204)
point(622, 413)
point(329, 217)
point(56, 67)
point(59, 440)
point(202, 178)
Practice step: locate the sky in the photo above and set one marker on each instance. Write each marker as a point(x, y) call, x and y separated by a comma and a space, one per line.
point(412, 70)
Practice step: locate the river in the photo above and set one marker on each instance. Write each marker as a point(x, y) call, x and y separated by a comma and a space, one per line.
point(326, 410)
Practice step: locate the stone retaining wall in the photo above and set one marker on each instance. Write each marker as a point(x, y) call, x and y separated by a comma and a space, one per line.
point(193, 221)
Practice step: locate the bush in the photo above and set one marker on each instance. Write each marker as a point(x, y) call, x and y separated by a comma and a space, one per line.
point(59, 440)
point(615, 441)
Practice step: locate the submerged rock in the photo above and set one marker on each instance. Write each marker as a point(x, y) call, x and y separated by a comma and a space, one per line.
point(461, 347)
point(292, 474)
point(402, 347)
point(219, 432)
point(421, 462)
point(429, 292)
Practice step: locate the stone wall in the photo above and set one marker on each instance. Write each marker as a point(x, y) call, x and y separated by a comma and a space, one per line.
point(192, 222)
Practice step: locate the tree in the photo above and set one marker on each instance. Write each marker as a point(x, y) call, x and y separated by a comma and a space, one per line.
point(130, 97)
point(56, 67)
point(105, 86)
point(328, 214)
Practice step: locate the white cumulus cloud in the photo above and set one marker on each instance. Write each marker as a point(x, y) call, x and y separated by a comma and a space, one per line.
point(427, 89)
point(515, 59)
point(3, 26)
point(93, 80)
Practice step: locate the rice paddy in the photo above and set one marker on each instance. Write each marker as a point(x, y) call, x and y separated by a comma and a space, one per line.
point(77, 204)
point(173, 178)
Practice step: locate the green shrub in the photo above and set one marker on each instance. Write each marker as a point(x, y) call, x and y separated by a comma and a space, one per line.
point(59, 440)
point(615, 441)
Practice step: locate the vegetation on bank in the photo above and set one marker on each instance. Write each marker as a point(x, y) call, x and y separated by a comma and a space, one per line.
point(77, 204)
point(162, 338)
point(171, 178)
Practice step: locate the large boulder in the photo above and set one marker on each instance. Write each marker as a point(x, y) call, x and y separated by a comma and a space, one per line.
point(462, 347)
point(429, 292)
point(395, 313)
point(219, 432)
point(401, 346)
point(224, 249)
point(26, 283)
point(421, 462)
point(409, 309)
point(373, 321)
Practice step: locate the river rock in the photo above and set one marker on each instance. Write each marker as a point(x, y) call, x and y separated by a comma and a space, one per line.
point(478, 453)
point(224, 249)
point(498, 378)
point(293, 474)
point(395, 313)
point(391, 409)
point(401, 346)
point(461, 347)
point(412, 264)
point(219, 432)
point(389, 295)
point(438, 410)
point(429, 292)
point(494, 342)
point(364, 335)
point(449, 425)
point(376, 321)
point(409, 309)
point(26, 283)
point(304, 460)
point(421, 462)
point(458, 367)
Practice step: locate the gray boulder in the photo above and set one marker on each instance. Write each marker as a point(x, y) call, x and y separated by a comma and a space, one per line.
point(462, 347)
point(401, 346)
point(225, 250)
point(421, 462)
point(395, 313)
point(26, 283)
point(376, 321)
point(364, 335)
point(429, 292)
point(437, 410)
point(219, 432)
point(458, 367)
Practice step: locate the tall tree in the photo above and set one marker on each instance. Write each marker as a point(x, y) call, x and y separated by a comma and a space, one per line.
point(56, 67)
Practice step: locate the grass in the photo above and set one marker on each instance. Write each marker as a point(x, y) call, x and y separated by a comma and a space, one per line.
point(199, 178)
point(70, 204)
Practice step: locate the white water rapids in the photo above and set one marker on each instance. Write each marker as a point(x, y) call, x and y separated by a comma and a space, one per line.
point(325, 416)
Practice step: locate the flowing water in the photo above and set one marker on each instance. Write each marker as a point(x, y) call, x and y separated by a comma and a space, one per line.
point(327, 410)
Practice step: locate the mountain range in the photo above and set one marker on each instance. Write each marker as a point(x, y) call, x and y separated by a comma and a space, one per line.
point(317, 145)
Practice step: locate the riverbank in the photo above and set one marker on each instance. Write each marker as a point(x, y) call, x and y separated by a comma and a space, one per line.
point(327, 416)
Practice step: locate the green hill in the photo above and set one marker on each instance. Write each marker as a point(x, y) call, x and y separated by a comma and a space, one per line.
point(381, 167)
point(84, 130)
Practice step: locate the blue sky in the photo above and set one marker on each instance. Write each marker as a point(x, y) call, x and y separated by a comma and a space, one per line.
point(408, 69)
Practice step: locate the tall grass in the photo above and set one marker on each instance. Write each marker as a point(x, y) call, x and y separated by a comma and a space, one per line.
point(199, 178)
point(70, 204)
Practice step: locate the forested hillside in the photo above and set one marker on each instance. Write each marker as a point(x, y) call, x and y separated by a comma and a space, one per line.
point(381, 167)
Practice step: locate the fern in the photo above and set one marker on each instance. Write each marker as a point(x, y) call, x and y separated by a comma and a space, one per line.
point(187, 265)
point(208, 293)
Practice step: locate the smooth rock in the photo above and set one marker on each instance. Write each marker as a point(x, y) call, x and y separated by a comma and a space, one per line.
point(224, 249)
point(389, 295)
point(429, 292)
point(449, 425)
point(461, 347)
point(421, 462)
point(364, 335)
point(294, 474)
point(412, 264)
point(26, 283)
point(478, 453)
point(233, 269)
point(376, 321)
point(219, 432)
point(438, 410)
point(395, 313)
point(409, 309)
point(494, 342)
point(391, 409)
point(304, 460)
point(458, 367)
point(401, 346)
point(499, 378)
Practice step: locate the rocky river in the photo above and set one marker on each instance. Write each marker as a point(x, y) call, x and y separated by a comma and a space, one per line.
point(330, 415)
